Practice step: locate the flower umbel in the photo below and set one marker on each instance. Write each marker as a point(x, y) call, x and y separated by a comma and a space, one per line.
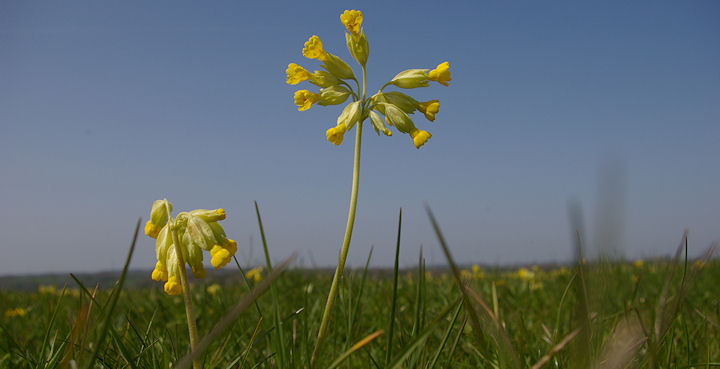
point(196, 230)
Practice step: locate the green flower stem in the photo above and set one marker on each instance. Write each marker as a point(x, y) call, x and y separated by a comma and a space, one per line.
point(346, 242)
point(192, 328)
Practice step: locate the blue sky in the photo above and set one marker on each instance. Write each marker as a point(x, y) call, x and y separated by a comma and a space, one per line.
point(105, 107)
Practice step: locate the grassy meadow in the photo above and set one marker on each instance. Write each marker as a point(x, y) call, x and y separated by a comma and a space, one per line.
point(641, 314)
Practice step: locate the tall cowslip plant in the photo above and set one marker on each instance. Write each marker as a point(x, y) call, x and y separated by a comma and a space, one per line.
point(180, 241)
point(335, 88)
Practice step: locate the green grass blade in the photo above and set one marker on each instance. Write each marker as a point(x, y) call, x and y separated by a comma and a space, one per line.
point(393, 305)
point(280, 341)
point(445, 338)
point(420, 339)
point(113, 301)
point(41, 355)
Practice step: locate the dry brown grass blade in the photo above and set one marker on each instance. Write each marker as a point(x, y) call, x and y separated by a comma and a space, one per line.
point(544, 360)
point(619, 350)
point(79, 326)
point(233, 315)
point(499, 335)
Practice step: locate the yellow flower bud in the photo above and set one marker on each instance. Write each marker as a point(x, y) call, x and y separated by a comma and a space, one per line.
point(352, 20)
point(336, 134)
point(419, 137)
point(219, 257)
point(209, 215)
point(441, 74)
point(158, 217)
point(296, 74)
point(172, 286)
point(160, 272)
point(313, 49)
point(429, 108)
point(304, 99)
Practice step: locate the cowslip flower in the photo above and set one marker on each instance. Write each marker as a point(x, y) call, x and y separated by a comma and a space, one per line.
point(296, 74)
point(213, 289)
point(304, 99)
point(314, 49)
point(441, 74)
point(195, 231)
point(419, 137)
point(352, 19)
point(429, 108)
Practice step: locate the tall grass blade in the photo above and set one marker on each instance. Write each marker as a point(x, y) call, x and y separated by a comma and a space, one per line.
point(113, 301)
point(446, 336)
point(393, 305)
point(280, 340)
point(581, 348)
point(545, 359)
point(472, 314)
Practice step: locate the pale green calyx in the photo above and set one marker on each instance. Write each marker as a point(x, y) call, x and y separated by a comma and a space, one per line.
point(378, 124)
point(411, 78)
point(333, 95)
point(322, 78)
point(398, 118)
point(350, 115)
point(399, 99)
point(337, 67)
point(358, 47)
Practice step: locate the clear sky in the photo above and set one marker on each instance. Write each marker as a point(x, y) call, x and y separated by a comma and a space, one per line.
point(107, 106)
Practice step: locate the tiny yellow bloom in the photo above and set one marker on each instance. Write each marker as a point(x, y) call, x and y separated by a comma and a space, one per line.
point(429, 108)
point(172, 286)
point(419, 137)
point(47, 289)
point(17, 312)
point(255, 274)
point(313, 49)
point(352, 19)
point(296, 74)
point(213, 289)
point(304, 99)
point(219, 256)
point(525, 274)
point(336, 134)
point(441, 74)
point(638, 263)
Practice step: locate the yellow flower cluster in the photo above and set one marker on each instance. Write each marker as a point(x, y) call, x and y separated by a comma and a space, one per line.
point(255, 274)
point(395, 106)
point(195, 231)
point(17, 312)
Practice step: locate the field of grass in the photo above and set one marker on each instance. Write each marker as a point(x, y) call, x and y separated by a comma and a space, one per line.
point(651, 314)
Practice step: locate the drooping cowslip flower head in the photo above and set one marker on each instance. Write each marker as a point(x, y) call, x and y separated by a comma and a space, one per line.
point(304, 99)
point(429, 108)
point(441, 74)
point(314, 49)
point(296, 74)
point(158, 217)
point(336, 88)
point(352, 20)
point(196, 230)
